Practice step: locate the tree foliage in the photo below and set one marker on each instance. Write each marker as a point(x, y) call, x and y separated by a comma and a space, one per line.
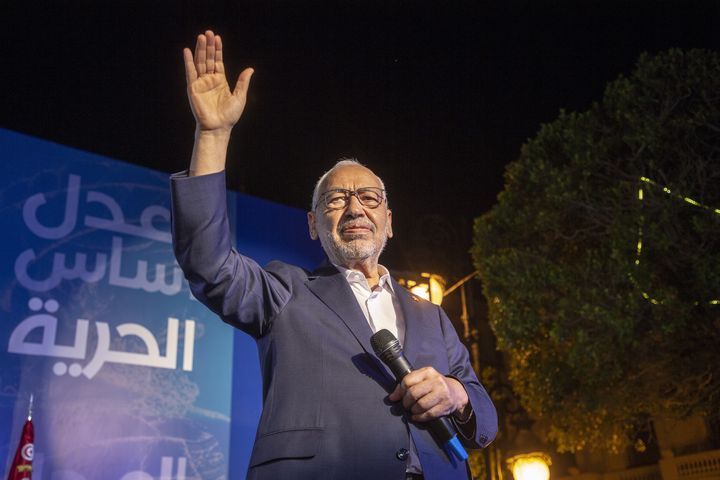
point(603, 298)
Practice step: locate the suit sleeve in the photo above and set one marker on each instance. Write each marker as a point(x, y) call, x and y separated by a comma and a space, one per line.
point(233, 286)
point(482, 425)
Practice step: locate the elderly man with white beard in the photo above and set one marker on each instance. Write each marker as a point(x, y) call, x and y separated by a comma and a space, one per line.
point(330, 407)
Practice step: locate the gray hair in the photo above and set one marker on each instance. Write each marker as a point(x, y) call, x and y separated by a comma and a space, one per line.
point(342, 162)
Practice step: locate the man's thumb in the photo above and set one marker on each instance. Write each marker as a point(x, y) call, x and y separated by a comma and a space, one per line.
point(243, 82)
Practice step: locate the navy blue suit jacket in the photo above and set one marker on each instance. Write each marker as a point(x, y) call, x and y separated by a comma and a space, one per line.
point(325, 409)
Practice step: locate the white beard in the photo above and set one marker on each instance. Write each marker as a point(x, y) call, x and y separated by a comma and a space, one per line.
point(345, 252)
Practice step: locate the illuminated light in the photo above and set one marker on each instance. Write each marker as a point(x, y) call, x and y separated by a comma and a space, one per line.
point(646, 180)
point(432, 289)
point(714, 302)
point(691, 201)
point(531, 466)
point(640, 194)
point(421, 290)
point(436, 287)
point(637, 262)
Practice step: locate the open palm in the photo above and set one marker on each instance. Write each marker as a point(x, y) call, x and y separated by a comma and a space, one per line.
point(215, 107)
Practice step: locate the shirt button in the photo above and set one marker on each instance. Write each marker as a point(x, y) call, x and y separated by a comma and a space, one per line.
point(402, 454)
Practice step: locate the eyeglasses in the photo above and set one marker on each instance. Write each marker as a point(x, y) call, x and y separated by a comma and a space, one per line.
point(338, 198)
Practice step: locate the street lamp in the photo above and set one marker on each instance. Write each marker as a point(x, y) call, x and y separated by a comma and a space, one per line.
point(527, 460)
point(429, 286)
point(530, 466)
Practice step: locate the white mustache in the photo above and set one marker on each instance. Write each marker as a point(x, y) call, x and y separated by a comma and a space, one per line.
point(356, 224)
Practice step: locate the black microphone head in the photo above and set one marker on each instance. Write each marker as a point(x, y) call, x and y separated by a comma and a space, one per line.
point(385, 345)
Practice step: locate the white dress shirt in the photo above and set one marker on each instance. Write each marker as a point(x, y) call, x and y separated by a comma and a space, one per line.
point(379, 305)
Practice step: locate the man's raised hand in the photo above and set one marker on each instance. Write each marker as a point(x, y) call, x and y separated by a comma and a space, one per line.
point(215, 107)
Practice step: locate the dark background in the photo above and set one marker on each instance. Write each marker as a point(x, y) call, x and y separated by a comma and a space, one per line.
point(437, 97)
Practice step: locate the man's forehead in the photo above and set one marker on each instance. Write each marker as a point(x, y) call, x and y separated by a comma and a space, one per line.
point(351, 176)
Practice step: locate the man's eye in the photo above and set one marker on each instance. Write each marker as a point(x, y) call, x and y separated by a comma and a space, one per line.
point(369, 197)
point(335, 199)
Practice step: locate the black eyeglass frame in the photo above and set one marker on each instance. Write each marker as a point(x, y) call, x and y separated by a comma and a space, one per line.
point(322, 198)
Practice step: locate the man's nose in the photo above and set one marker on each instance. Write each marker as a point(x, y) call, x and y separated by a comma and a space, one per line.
point(354, 207)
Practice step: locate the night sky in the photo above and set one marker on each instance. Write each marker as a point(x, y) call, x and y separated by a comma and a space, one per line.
point(436, 97)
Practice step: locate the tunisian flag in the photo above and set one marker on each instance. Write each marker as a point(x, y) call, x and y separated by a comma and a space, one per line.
point(22, 465)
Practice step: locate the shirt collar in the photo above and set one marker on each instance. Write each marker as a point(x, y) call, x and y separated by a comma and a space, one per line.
point(354, 276)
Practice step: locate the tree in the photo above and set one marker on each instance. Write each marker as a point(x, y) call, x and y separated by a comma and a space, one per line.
point(601, 259)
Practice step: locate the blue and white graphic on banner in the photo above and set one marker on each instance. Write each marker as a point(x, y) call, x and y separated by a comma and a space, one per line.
point(131, 375)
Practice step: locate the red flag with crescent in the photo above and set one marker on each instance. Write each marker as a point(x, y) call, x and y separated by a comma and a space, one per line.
point(22, 464)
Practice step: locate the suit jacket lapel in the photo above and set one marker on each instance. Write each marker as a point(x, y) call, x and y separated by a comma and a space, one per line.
point(415, 327)
point(333, 290)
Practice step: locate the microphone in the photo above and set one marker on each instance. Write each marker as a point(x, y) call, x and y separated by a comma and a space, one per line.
point(388, 349)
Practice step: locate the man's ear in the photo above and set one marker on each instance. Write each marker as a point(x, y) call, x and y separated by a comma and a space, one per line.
point(311, 226)
point(388, 228)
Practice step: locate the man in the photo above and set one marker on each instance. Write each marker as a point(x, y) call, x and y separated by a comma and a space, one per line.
point(330, 408)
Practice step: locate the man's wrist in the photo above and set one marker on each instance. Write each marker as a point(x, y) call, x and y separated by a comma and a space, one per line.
point(464, 413)
point(209, 151)
point(217, 133)
point(463, 409)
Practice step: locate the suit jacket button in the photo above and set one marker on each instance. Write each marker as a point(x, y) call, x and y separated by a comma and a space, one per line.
point(402, 454)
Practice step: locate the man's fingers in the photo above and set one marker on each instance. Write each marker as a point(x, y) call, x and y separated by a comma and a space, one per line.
point(219, 65)
point(427, 394)
point(419, 375)
point(190, 71)
point(424, 403)
point(415, 394)
point(210, 52)
point(396, 394)
point(243, 82)
point(433, 403)
point(200, 54)
point(435, 412)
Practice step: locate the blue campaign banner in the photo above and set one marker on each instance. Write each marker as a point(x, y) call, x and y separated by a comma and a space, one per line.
point(133, 379)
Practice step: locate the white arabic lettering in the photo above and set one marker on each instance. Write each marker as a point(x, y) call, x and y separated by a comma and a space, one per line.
point(60, 271)
point(116, 222)
point(189, 345)
point(166, 470)
point(48, 323)
point(152, 358)
point(71, 208)
point(140, 280)
point(47, 346)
